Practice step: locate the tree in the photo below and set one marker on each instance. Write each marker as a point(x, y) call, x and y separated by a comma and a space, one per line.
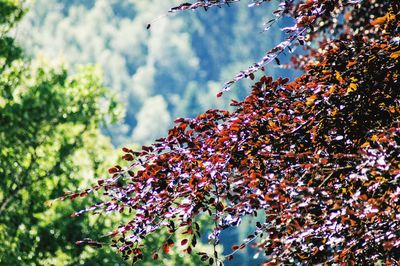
point(318, 158)
point(50, 141)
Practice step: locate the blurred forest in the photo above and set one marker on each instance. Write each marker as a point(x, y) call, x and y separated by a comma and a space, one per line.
point(57, 114)
point(174, 69)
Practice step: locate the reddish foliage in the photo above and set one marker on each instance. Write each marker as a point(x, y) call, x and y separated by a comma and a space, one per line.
point(319, 156)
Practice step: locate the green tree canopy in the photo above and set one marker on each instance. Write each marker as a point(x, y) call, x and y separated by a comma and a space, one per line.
point(49, 142)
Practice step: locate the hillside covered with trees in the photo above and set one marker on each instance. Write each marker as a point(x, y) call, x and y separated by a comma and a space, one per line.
point(172, 70)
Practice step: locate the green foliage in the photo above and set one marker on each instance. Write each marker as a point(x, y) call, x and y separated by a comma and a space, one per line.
point(11, 12)
point(50, 139)
point(49, 142)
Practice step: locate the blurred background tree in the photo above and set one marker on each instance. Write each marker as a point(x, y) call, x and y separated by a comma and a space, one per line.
point(50, 142)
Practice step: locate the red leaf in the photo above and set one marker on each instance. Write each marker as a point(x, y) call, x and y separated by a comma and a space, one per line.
point(166, 248)
point(113, 170)
point(127, 157)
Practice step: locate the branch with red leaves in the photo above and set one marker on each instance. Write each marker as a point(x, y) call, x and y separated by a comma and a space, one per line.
point(318, 158)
